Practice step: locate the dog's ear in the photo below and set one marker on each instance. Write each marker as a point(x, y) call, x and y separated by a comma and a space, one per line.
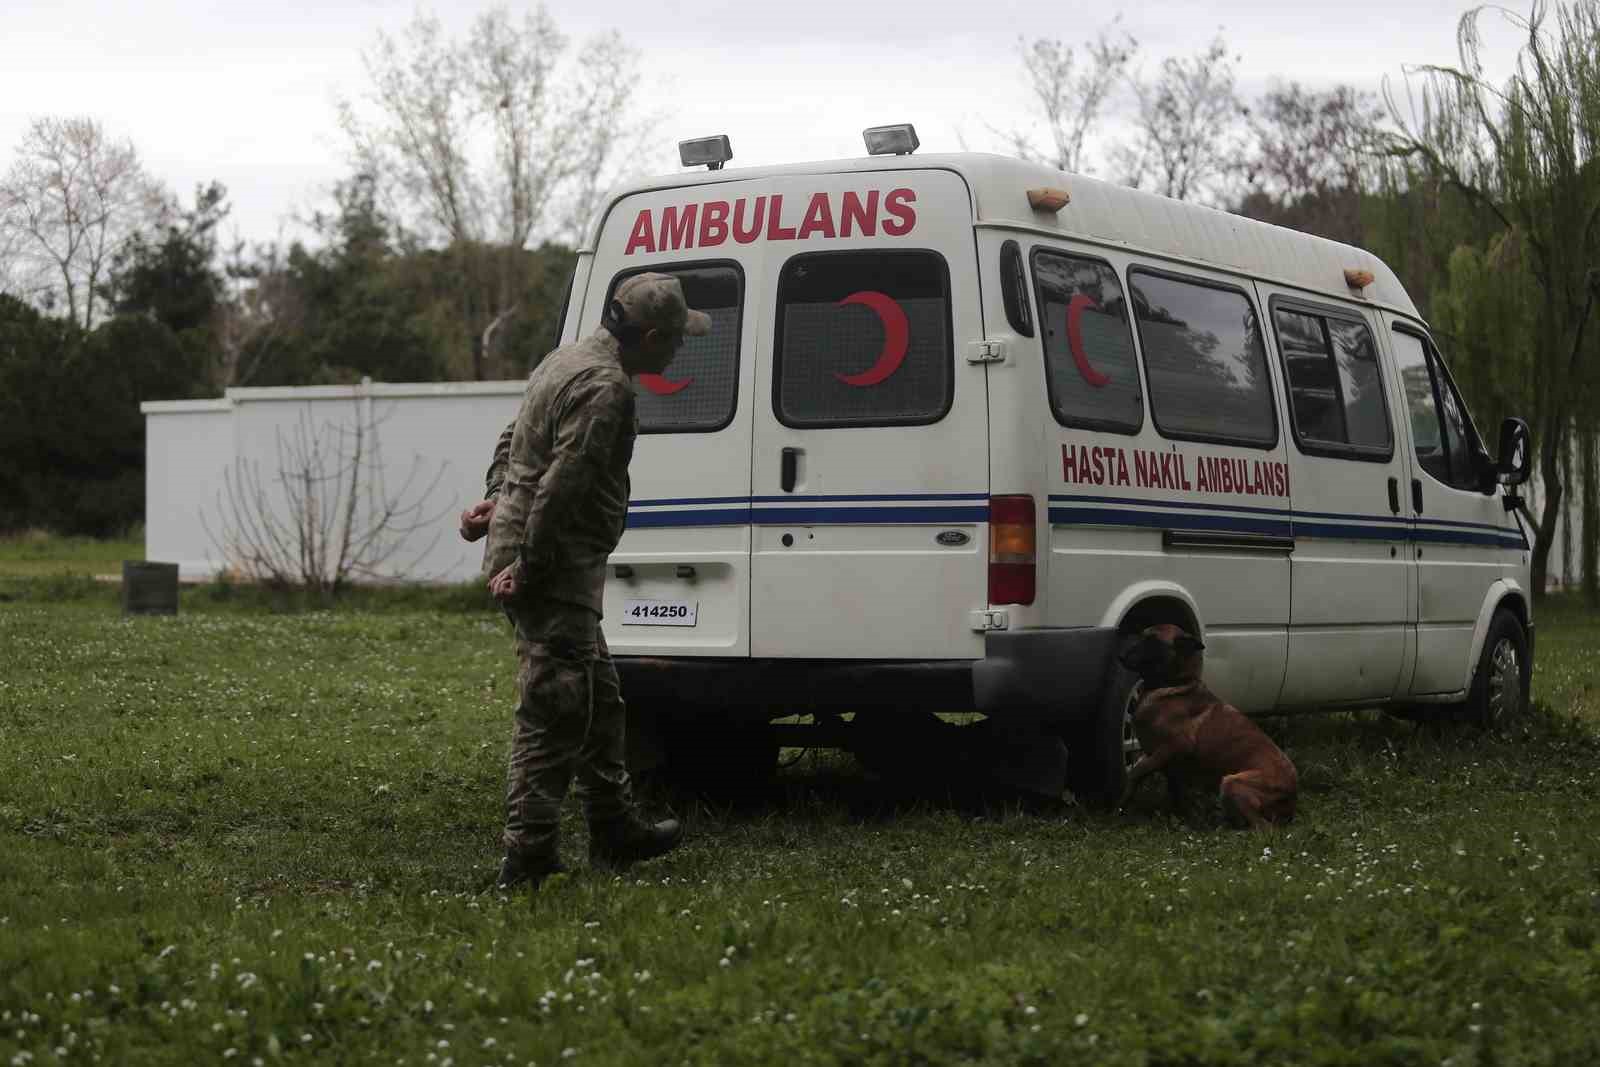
point(1187, 645)
point(1128, 652)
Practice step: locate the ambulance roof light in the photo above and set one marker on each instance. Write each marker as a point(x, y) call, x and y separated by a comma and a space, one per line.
point(899, 140)
point(708, 152)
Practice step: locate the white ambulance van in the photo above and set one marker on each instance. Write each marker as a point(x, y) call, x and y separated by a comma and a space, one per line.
point(962, 421)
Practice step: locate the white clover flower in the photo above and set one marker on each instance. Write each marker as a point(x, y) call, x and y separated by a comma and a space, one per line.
point(1080, 1019)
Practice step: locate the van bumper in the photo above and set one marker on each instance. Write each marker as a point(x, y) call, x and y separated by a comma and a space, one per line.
point(1042, 675)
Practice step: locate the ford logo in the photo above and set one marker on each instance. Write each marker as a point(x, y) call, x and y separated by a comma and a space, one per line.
point(952, 538)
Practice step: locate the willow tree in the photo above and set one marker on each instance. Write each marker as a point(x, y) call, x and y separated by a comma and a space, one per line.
point(1524, 151)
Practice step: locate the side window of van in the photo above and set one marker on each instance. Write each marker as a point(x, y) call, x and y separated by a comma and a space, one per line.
point(1335, 390)
point(1205, 361)
point(1090, 367)
point(700, 389)
point(1439, 428)
point(863, 339)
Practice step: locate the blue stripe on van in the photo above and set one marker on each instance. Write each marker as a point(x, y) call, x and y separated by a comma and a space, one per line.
point(932, 509)
point(681, 500)
point(861, 516)
point(791, 498)
point(1069, 498)
point(1167, 513)
point(839, 510)
point(699, 517)
point(1093, 516)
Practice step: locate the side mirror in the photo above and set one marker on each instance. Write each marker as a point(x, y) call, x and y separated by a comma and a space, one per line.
point(1516, 452)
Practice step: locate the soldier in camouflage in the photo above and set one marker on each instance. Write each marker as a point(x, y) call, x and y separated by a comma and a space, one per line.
point(557, 502)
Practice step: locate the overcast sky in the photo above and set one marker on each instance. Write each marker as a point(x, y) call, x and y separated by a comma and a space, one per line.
point(242, 92)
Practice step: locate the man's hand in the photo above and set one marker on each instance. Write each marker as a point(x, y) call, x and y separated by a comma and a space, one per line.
point(507, 584)
point(475, 520)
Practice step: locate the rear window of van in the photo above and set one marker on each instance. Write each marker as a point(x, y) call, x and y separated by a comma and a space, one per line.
point(700, 388)
point(1090, 367)
point(1205, 360)
point(863, 339)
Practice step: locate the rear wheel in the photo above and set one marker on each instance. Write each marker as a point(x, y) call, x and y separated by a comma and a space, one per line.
point(1102, 748)
point(1498, 699)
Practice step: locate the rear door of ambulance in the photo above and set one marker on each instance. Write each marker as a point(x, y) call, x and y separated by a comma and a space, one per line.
point(679, 580)
point(870, 426)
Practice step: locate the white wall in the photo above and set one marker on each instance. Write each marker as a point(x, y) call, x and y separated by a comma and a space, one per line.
point(188, 445)
point(430, 446)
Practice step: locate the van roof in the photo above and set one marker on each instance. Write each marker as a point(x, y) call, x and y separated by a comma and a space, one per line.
point(1105, 214)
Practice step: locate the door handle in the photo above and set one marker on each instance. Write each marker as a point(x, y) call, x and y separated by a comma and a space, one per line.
point(1416, 495)
point(790, 469)
point(1394, 495)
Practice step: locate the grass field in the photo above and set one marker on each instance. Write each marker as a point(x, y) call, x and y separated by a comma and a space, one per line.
point(256, 835)
point(38, 554)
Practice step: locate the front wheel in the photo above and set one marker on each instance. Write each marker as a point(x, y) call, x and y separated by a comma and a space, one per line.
point(1102, 748)
point(1498, 699)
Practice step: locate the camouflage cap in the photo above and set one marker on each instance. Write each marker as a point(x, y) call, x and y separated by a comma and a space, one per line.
point(655, 302)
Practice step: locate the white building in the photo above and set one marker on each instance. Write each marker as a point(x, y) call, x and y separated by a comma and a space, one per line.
point(214, 467)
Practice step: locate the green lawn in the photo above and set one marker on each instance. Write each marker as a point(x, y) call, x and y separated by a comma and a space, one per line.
point(33, 555)
point(248, 834)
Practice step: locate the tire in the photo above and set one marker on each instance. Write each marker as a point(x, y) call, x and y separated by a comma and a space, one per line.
point(1498, 699)
point(1102, 748)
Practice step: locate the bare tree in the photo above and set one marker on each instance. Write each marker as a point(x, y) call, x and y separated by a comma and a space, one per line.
point(1313, 155)
point(13, 281)
point(325, 516)
point(1071, 96)
point(1188, 136)
point(1307, 142)
point(69, 202)
point(494, 143)
point(262, 308)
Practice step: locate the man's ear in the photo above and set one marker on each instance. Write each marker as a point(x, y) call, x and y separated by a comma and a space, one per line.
point(1188, 645)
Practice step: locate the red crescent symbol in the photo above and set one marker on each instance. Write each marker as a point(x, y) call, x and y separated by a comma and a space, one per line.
point(895, 333)
point(662, 386)
point(1075, 339)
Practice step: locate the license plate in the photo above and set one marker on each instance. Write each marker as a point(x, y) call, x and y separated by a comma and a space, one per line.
point(659, 612)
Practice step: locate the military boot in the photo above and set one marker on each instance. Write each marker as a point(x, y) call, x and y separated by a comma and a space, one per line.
point(527, 869)
point(616, 843)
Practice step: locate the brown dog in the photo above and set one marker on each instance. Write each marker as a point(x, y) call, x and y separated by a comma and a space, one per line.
point(1198, 739)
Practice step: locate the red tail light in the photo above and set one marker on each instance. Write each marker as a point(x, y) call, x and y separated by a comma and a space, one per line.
point(1012, 549)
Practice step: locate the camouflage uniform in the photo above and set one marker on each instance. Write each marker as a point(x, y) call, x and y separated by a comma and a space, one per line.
point(560, 476)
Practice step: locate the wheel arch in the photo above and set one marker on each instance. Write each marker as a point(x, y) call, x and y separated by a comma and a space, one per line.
point(1504, 593)
point(1149, 603)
